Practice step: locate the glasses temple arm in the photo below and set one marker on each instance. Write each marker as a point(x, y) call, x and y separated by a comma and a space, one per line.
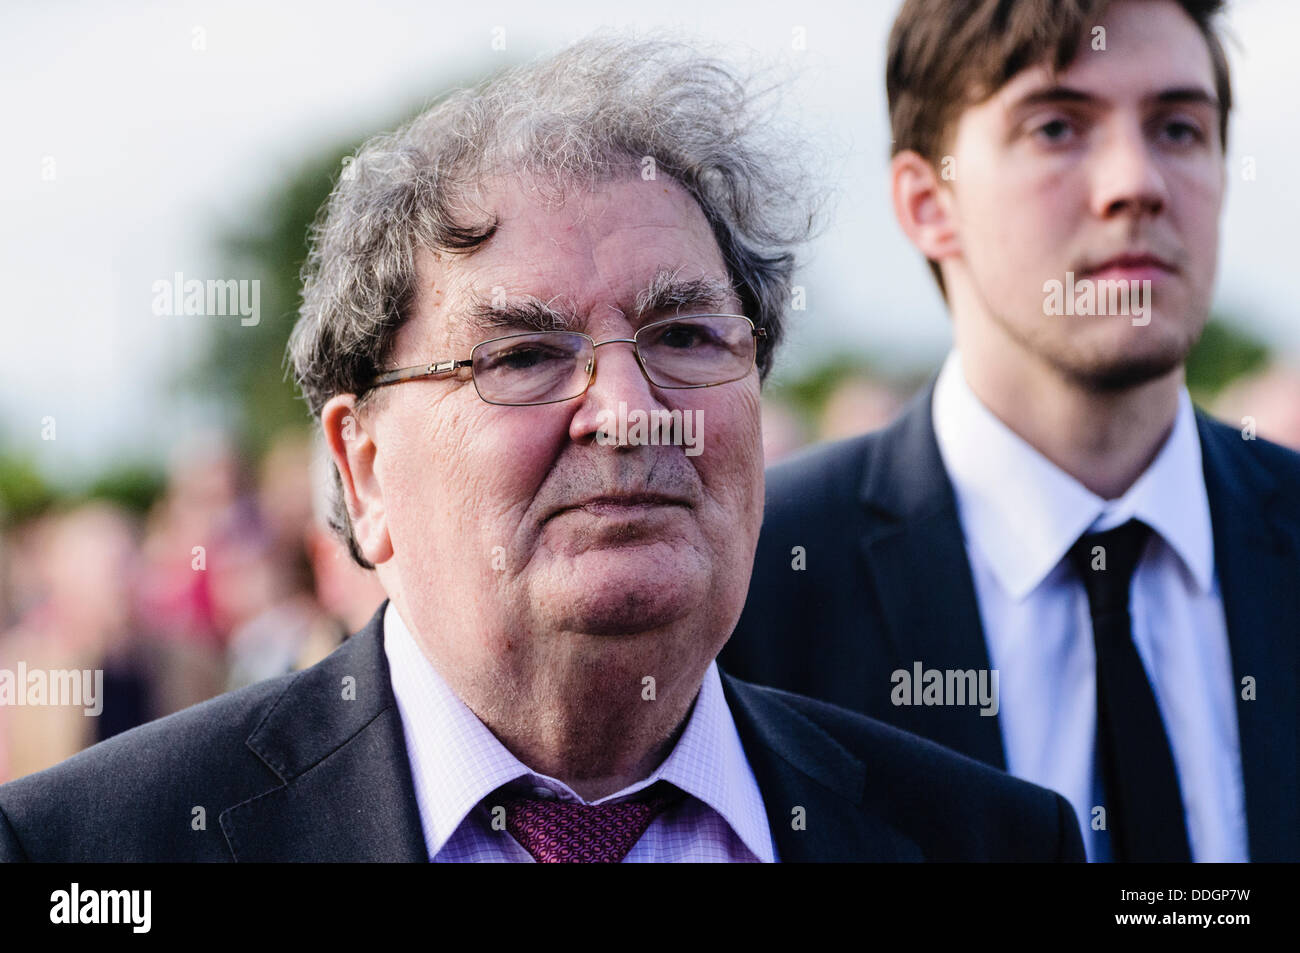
point(433, 369)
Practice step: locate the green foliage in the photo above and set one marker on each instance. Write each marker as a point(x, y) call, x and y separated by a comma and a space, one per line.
point(133, 486)
point(1224, 353)
point(244, 366)
point(23, 491)
point(807, 393)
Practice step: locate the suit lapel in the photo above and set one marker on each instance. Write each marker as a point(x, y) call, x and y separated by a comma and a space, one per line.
point(812, 787)
point(917, 560)
point(334, 738)
point(1257, 574)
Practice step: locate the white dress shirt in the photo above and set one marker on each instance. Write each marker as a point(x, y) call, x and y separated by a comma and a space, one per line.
point(457, 763)
point(1020, 514)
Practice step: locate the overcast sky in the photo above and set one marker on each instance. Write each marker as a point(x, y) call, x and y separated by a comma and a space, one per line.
point(165, 125)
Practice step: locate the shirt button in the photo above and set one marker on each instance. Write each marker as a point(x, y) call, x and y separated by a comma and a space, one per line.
point(546, 794)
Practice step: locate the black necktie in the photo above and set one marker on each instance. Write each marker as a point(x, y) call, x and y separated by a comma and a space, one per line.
point(1144, 808)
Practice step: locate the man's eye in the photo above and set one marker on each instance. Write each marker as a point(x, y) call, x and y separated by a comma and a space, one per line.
point(688, 336)
point(682, 336)
point(1183, 133)
point(523, 357)
point(1055, 131)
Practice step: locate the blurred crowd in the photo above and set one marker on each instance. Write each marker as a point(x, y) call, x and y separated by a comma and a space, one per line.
point(233, 576)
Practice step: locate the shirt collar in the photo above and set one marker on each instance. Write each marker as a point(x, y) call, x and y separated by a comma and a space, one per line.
point(456, 761)
point(1023, 512)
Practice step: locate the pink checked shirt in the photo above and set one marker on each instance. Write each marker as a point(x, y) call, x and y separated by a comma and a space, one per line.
point(457, 764)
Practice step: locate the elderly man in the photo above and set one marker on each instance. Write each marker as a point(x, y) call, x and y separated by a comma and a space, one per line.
point(562, 567)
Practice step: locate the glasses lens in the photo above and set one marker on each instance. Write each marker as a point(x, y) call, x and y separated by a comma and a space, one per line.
point(697, 351)
point(532, 368)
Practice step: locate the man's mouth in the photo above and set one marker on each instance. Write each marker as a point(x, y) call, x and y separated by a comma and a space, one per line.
point(621, 505)
point(1131, 267)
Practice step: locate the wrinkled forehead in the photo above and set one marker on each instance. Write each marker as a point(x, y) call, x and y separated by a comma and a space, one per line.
point(628, 249)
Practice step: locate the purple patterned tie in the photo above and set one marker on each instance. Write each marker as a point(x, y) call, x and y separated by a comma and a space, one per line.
point(557, 832)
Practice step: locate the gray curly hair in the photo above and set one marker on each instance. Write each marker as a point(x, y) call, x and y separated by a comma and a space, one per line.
point(593, 112)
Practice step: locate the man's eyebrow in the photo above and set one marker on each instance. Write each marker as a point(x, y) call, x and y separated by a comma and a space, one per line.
point(1066, 94)
point(524, 313)
point(1191, 95)
point(665, 292)
point(1053, 94)
point(669, 292)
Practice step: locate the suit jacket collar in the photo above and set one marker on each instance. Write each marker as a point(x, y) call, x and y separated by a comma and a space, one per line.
point(904, 478)
point(916, 555)
point(1023, 512)
point(334, 739)
point(804, 773)
point(917, 558)
point(1257, 579)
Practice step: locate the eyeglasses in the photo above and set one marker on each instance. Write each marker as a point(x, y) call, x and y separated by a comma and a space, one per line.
point(546, 367)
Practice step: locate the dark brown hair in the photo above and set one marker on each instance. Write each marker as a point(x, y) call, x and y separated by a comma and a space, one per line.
point(948, 55)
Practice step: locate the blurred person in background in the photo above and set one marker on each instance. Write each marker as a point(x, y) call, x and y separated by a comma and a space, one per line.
point(77, 615)
point(857, 405)
point(1265, 404)
point(221, 589)
point(198, 525)
point(290, 593)
point(783, 430)
point(204, 503)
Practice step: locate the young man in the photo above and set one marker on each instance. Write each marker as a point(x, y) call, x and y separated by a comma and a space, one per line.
point(1052, 562)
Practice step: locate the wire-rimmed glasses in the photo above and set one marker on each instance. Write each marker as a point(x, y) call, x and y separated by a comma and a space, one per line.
point(546, 367)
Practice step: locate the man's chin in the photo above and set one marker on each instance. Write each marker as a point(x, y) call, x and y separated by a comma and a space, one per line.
point(642, 608)
point(1125, 373)
point(625, 596)
point(1135, 356)
point(621, 622)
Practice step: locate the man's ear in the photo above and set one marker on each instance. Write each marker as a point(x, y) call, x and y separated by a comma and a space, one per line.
point(923, 206)
point(352, 447)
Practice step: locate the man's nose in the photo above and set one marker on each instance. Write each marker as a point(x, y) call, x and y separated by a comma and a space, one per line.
point(1126, 176)
point(618, 387)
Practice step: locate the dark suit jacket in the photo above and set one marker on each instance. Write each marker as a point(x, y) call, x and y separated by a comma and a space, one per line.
point(289, 770)
point(887, 583)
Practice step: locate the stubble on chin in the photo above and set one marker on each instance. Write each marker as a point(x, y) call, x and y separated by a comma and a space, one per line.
point(1107, 368)
point(1123, 373)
